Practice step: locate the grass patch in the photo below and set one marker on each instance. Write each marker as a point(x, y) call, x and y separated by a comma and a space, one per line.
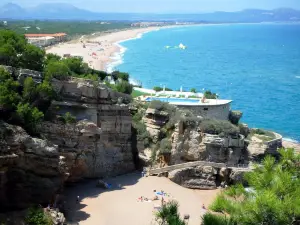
point(136, 93)
point(261, 134)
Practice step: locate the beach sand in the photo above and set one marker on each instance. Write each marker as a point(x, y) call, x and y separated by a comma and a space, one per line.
point(97, 54)
point(289, 144)
point(121, 206)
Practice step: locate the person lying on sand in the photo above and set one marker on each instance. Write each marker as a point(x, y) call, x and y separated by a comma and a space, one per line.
point(155, 198)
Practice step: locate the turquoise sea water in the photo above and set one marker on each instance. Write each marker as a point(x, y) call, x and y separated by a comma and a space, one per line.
point(255, 65)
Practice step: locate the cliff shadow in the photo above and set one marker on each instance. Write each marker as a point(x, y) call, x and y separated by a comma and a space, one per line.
point(74, 211)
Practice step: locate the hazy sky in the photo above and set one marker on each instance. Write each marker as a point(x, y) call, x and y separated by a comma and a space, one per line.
point(168, 5)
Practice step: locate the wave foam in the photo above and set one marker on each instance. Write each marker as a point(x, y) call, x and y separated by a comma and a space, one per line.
point(117, 59)
point(297, 77)
point(291, 140)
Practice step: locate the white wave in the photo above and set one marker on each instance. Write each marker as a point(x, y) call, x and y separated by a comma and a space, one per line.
point(117, 59)
point(297, 77)
point(290, 140)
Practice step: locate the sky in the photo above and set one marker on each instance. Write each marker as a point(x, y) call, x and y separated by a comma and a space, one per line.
point(166, 6)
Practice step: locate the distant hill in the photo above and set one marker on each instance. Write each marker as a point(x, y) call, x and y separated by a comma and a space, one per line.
point(62, 11)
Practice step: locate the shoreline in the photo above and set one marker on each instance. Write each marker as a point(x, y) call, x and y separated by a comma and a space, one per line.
point(101, 50)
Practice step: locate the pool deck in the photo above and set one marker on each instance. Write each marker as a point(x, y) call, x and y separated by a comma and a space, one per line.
point(187, 101)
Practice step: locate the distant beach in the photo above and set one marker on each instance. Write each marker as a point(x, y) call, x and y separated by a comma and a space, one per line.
point(98, 51)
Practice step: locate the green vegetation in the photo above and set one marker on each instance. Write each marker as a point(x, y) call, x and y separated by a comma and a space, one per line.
point(169, 215)
point(274, 197)
point(219, 127)
point(212, 219)
point(9, 97)
point(142, 133)
point(72, 28)
point(15, 51)
point(261, 134)
point(29, 116)
point(136, 93)
point(161, 89)
point(193, 90)
point(68, 118)
point(165, 146)
point(210, 95)
point(26, 103)
point(36, 216)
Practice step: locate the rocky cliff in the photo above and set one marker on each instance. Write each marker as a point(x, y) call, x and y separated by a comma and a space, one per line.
point(97, 144)
point(193, 138)
point(31, 169)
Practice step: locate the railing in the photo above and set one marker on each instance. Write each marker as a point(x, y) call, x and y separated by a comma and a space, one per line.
point(197, 163)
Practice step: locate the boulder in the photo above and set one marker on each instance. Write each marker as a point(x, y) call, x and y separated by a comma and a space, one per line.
point(195, 178)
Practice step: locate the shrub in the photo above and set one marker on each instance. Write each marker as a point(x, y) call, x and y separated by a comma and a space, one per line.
point(210, 95)
point(220, 204)
point(46, 91)
point(68, 118)
point(57, 70)
point(9, 96)
point(169, 215)
point(211, 219)
point(29, 90)
point(193, 90)
point(165, 146)
point(219, 127)
point(123, 87)
point(156, 88)
point(29, 116)
point(36, 216)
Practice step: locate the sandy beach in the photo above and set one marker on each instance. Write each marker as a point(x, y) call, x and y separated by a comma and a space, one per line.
point(290, 144)
point(120, 205)
point(97, 51)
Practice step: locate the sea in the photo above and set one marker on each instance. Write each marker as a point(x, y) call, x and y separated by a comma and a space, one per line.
point(255, 65)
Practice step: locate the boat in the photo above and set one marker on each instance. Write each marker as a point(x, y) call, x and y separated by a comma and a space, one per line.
point(181, 46)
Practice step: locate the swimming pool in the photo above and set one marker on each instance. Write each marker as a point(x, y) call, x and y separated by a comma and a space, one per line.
point(172, 100)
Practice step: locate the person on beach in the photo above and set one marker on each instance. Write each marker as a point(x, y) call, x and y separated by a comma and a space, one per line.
point(203, 207)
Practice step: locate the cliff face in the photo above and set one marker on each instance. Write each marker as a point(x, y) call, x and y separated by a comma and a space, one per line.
point(97, 145)
point(100, 144)
point(189, 143)
point(31, 169)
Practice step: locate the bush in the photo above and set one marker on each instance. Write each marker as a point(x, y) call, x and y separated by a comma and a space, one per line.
point(29, 116)
point(165, 146)
point(169, 215)
point(211, 219)
point(219, 127)
point(9, 96)
point(156, 88)
point(193, 90)
point(220, 204)
point(123, 87)
point(36, 216)
point(57, 70)
point(210, 95)
point(120, 75)
point(29, 90)
point(68, 118)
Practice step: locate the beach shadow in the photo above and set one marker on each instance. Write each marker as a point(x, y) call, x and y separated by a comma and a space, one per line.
point(88, 189)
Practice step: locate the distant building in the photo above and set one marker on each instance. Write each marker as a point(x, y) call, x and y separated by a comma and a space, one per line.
point(44, 40)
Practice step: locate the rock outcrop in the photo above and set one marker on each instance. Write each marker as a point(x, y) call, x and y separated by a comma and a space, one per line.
point(31, 169)
point(98, 144)
point(206, 177)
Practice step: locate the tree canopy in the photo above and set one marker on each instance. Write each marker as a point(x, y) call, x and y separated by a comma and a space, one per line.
point(273, 196)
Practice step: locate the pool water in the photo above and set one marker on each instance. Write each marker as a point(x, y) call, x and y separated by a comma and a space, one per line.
point(172, 100)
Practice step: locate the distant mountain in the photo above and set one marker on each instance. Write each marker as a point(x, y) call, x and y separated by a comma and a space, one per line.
point(62, 11)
